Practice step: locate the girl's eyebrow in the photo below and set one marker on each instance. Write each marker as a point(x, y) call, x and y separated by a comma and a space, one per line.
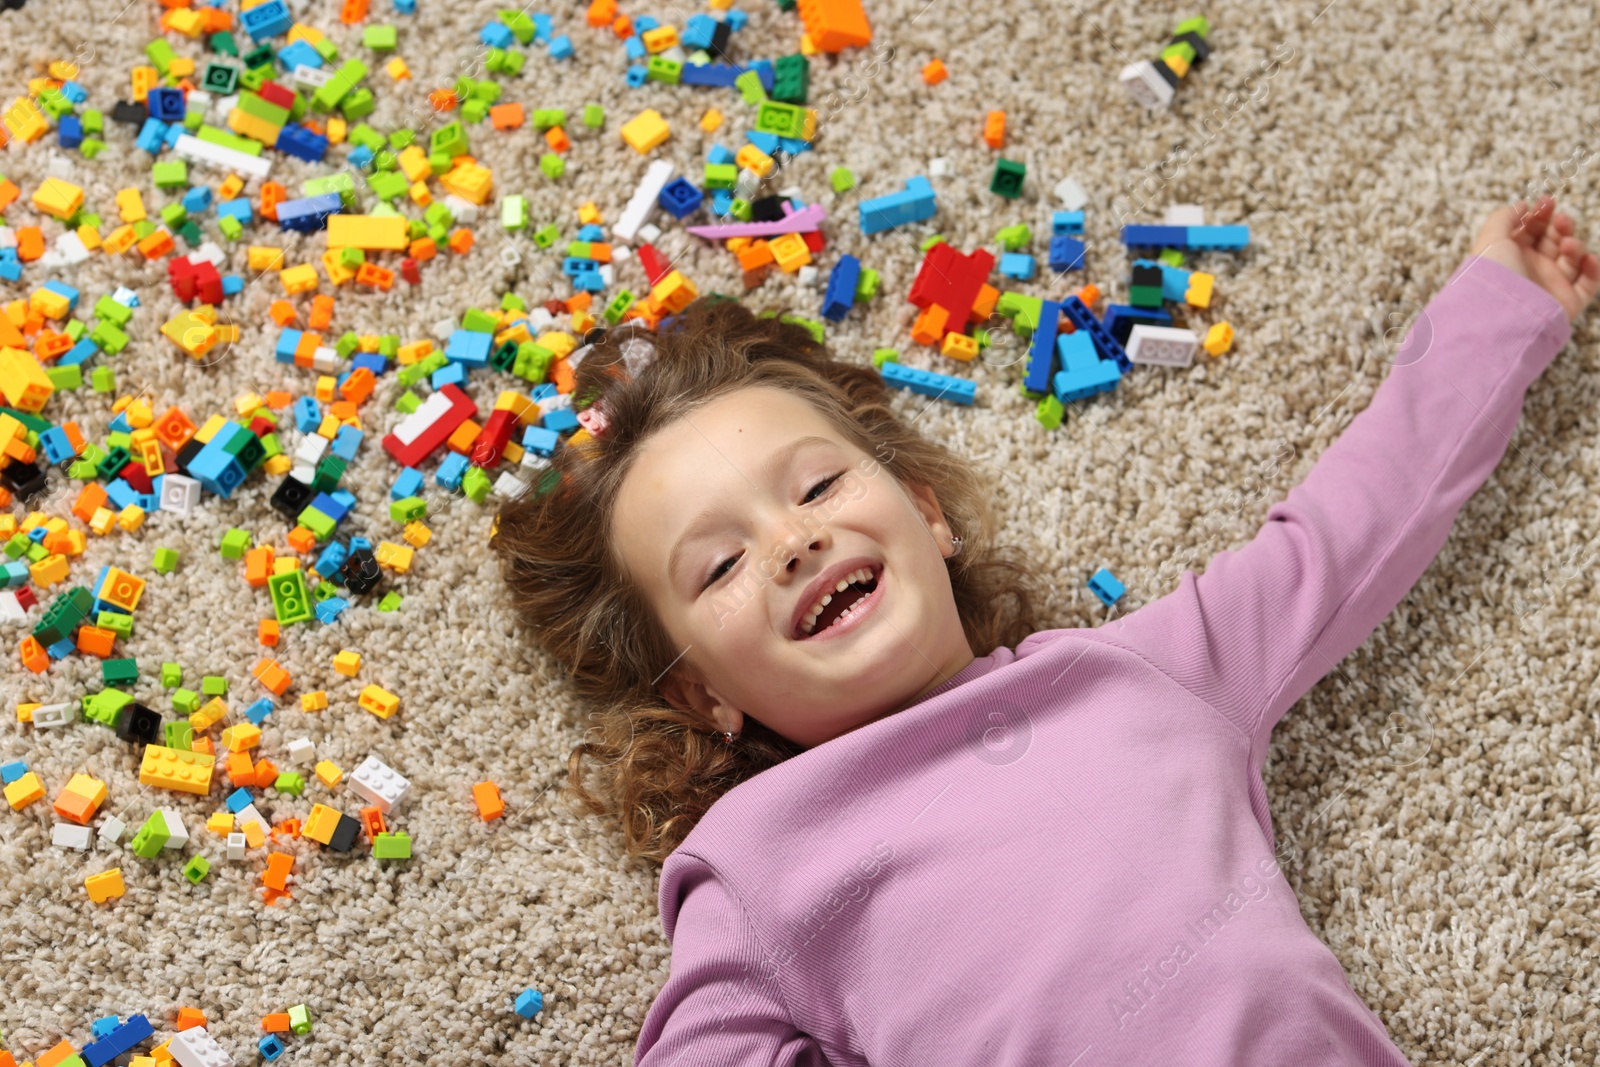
point(708, 519)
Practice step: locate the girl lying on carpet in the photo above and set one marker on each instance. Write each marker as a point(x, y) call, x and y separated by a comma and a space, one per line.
point(883, 848)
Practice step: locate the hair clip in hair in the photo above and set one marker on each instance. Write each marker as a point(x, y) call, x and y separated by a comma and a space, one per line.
point(593, 418)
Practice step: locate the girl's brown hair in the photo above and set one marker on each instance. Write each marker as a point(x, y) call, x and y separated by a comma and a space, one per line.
point(656, 767)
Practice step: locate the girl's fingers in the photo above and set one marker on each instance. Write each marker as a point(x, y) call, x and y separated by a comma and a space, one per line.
point(1587, 283)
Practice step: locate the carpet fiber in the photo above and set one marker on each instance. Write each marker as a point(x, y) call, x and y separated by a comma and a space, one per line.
point(1434, 795)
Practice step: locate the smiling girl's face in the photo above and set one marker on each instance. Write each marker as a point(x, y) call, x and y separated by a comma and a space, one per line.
point(736, 519)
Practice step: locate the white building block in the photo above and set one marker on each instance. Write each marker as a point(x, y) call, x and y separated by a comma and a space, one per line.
point(302, 751)
point(1184, 215)
point(1161, 345)
point(196, 1048)
point(195, 150)
point(1145, 85)
point(643, 200)
point(808, 275)
point(71, 835)
point(940, 167)
point(51, 716)
point(508, 486)
point(111, 831)
point(377, 783)
point(647, 232)
point(177, 836)
point(236, 846)
point(11, 609)
point(1071, 194)
point(179, 493)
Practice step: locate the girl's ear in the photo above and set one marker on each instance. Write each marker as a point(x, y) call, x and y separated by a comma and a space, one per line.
point(927, 505)
point(690, 695)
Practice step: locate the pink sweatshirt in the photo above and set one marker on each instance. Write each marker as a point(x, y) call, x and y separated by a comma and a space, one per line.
point(1062, 856)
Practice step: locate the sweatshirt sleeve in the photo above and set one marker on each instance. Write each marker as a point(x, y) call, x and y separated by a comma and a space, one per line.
point(721, 1005)
point(1254, 633)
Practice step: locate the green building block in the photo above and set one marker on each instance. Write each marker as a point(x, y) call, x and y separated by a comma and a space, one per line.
point(300, 1019)
point(290, 784)
point(179, 734)
point(1008, 175)
point(552, 165)
point(931, 240)
point(186, 701)
point(151, 838)
point(547, 235)
point(1172, 257)
point(380, 38)
point(171, 676)
point(222, 42)
point(791, 78)
point(867, 284)
point(1015, 238)
point(880, 356)
point(475, 484)
point(1049, 411)
point(785, 120)
point(115, 621)
point(390, 601)
point(750, 87)
point(594, 116)
point(842, 180)
point(196, 869)
point(391, 846)
point(290, 601)
point(214, 685)
point(91, 147)
point(450, 139)
point(235, 543)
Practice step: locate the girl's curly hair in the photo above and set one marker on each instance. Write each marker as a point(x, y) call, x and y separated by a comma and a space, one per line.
point(659, 768)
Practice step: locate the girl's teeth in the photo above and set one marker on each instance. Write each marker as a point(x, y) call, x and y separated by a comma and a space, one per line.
point(810, 620)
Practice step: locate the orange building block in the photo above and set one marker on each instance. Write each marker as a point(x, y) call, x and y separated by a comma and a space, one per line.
point(461, 242)
point(601, 12)
point(189, 1018)
point(834, 25)
point(270, 674)
point(283, 313)
point(276, 1023)
point(276, 876)
point(30, 243)
point(994, 129)
point(272, 194)
point(267, 632)
point(95, 641)
point(321, 316)
point(442, 100)
point(258, 565)
point(557, 139)
point(506, 116)
point(934, 72)
point(302, 540)
point(487, 796)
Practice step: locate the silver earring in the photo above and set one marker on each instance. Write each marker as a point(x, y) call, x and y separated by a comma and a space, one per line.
point(728, 737)
point(955, 546)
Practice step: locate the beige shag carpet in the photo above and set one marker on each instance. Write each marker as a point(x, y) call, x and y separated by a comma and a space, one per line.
point(1435, 795)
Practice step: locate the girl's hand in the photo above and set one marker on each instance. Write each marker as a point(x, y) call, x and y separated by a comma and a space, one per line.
point(1538, 243)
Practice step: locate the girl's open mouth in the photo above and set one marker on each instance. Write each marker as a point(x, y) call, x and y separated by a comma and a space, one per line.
point(845, 610)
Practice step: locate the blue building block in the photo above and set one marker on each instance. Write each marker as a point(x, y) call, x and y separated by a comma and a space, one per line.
point(1120, 319)
point(74, 92)
point(634, 47)
point(283, 352)
point(449, 374)
point(329, 506)
point(1174, 280)
point(637, 77)
point(680, 197)
point(1042, 349)
point(528, 1003)
point(238, 800)
point(119, 1042)
point(1020, 265)
point(328, 611)
point(405, 7)
point(1067, 222)
point(645, 23)
point(257, 713)
point(266, 20)
point(307, 413)
point(540, 440)
point(104, 1025)
point(1108, 346)
point(1106, 587)
point(239, 209)
point(721, 202)
point(345, 443)
point(152, 136)
point(299, 54)
point(10, 772)
point(793, 145)
point(841, 293)
point(543, 24)
point(1155, 236)
point(197, 199)
point(332, 559)
point(736, 22)
point(1218, 238)
point(358, 543)
point(345, 499)
point(309, 213)
point(232, 285)
point(1066, 253)
point(301, 143)
point(561, 47)
point(469, 347)
point(165, 105)
point(450, 471)
point(360, 156)
point(938, 386)
point(1083, 373)
point(914, 204)
point(561, 420)
point(216, 471)
point(408, 484)
point(174, 131)
point(63, 647)
point(55, 446)
point(720, 155)
point(69, 131)
point(376, 362)
point(120, 493)
point(497, 35)
point(271, 1048)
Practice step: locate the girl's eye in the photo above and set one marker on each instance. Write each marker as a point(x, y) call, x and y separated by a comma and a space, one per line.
point(824, 484)
point(722, 569)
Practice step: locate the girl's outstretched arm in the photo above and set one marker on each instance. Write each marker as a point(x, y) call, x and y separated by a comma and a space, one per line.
point(1264, 622)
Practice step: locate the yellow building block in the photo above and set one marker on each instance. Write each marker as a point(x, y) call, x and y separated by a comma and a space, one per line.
point(394, 557)
point(645, 131)
point(328, 773)
point(711, 121)
point(191, 331)
point(675, 292)
point(379, 701)
point(254, 127)
point(230, 188)
point(58, 199)
point(300, 279)
point(752, 158)
point(317, 700)
point(91, 789)
point(790, 251)
point(397, 69)
point(389, 233)
point(264, 257)
point(1199, 291)
point(89, 236)
point(1218, 339)
point(959, 346)
point(241, 737)
point(121, 589)
point(468, 181)
point(171, 768)
point(414, 164)
point(24, 121)
point(24, 791)
point(347, 663)
point(320, 824)
point(209, 428)
point(131, 517)
point(121, 239)
point(659, 39)
point(23, 382)
point(221, 823)
point(255, 835)
point(211, 713)
point(52, 569)
point(130, 205)
point(107, 885)
point(338, 273)
point(49, 303)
